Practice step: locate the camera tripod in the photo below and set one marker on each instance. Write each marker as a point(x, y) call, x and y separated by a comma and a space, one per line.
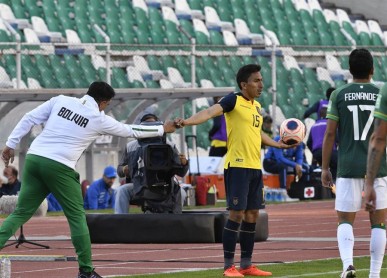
point(21, 239)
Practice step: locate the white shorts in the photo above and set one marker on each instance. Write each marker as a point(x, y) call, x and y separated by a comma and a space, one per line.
point(349, 194)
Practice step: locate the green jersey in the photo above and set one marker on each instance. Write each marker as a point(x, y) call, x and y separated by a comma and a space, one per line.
point(352, 106)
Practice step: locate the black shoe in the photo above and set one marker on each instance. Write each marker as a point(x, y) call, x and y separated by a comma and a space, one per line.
point(92, 274)
point(349, 273)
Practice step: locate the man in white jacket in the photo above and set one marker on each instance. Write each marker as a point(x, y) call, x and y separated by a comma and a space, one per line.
point(71, 124)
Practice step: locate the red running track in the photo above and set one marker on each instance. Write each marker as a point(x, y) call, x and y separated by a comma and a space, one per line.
point(297, 231)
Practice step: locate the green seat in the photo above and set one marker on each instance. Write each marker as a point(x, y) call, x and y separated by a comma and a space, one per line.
point(284, 37)
point(364, 38)
point(383, 62)
point(215, 75)
point(376, 39)
point(216, 37)
point(210, 3)
point(378, 72)
point(75, 71)
point(267, 76)
point(141, 17)
point(298, 37)
point(229, 77)
point(201, 38)
point(88, 68)
point(166, 62)
point(154, 62)
point(61, 72)
point(19, 11)
point(33, 8)
point(120, 78)
point(312, 37)
point(338, 37)
point(53, 24)
point(344, 61)
point(202, 73)
point(248, 60)
point(29, 68)
point(265, 99)
point(158, 35)
point(129, 36)
point(236, 63)
point(172, 33)
point(288, 111)
point(143, 36)
point(127, 18)
point(4, 37)
point(349, 29)
point(196, 5)
point(311, 81)
point(222, 61)
point(95, 18)
point(208, 62)
point(184, 66)
point(152, 84)
point(136, 84)
point(187, 26)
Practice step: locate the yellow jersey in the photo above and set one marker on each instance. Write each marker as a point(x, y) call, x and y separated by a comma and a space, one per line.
point(244, 124)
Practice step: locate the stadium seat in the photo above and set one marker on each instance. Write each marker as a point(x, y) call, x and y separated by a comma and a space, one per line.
point(205, 83)
point(120, 78)
point(346, 24)
point(41, 29)
point(88, 69)
point(184, 11)
point(7, 14)
point(229, 38)
point(5, 80)
point(177, 79)
point(334, 67)
point(142, 66)
point(20, 11)
point(243, 34)
point(72, 38)
point(33, 83)
point(172, 25)
point(201, 31)
point(333, 21)
point(323, 74)
point(376, 33)
point(166, 84)
point(271, 38)
point(363, 32)
point(134, 75)
point(213, 21)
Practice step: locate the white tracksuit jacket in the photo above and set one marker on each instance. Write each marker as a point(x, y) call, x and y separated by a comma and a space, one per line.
point(71, 124)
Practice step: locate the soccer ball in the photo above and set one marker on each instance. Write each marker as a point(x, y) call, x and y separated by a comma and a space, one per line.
point(292, 131)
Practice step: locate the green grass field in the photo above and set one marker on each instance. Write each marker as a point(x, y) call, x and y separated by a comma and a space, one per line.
point(317, 269)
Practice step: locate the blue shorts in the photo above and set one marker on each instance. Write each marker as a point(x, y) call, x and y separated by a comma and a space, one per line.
point(244, 188)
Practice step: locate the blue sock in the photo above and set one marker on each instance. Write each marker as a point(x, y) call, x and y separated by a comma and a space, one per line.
point(230, 236)
point(246, 239)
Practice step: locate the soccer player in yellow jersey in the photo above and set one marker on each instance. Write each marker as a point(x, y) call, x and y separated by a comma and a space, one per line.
point(242, 169)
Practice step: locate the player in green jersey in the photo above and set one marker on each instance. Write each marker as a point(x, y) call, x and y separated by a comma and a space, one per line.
point(350, 110)
point(377, 156)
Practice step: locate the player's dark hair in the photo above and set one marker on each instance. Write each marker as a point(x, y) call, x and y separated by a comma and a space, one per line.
point(245, 72)
point(328, 92)
point(361, 63)
point(101, 91)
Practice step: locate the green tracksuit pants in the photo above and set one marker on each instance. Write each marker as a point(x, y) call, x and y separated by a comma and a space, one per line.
point(40, 177)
